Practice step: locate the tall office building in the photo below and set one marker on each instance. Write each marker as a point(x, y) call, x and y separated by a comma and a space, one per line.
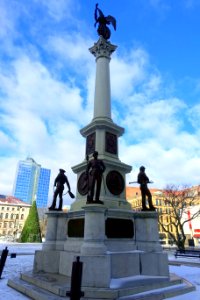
point(32, 182)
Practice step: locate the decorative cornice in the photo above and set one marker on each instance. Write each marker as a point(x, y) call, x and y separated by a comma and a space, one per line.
point(102, 123)
point(102, 48)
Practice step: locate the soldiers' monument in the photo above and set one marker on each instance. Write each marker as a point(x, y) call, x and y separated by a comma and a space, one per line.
point(119, 248)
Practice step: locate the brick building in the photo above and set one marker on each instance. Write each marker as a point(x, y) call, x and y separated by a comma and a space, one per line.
point(13, 214)
point(192, 228)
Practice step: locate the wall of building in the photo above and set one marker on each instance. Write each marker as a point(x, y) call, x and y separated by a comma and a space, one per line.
point(133, 196)
point(13, 214)
point(32, 182)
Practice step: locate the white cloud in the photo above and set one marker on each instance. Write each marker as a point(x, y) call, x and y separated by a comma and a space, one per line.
point(7, 173)
point(175, 165)
point(127, 72)
point(156, 119)
point(7, 144)
point(194, 116)
point(30, 87)
point(6, 23)
point(57, 9)
point(162, 6)
point(71, 47)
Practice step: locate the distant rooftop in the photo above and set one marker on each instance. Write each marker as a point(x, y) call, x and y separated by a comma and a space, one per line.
point(135, 191)
point(12, 200)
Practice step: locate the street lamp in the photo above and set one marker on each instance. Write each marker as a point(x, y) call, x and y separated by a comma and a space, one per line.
point(16, 225)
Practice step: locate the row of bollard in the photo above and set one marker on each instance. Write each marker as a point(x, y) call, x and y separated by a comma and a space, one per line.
point(76, 278)
point(3, 258)
point(77, 267)
point(4, 255)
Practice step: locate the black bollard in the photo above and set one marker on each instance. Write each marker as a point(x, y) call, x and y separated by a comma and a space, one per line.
point(13, 255)
point(76, 278)
point(4, 255)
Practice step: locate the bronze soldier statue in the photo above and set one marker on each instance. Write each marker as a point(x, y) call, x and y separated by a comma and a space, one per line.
point(59, 183)
point(94, 171)
point(143, 180)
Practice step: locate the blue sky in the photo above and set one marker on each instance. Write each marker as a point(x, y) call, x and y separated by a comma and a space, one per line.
point(47, 85)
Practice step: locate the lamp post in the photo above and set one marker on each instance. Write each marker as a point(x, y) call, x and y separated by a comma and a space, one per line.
point(16, 225)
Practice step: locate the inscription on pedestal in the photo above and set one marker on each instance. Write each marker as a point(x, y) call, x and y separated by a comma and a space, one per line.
point(111, 143)
point(76, 228)
point(119, 228)
point(90, 143)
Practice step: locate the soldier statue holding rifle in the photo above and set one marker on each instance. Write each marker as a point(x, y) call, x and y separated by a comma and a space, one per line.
point(143, 180)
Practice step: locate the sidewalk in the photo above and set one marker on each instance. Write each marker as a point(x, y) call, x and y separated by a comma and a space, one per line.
point(24, 262)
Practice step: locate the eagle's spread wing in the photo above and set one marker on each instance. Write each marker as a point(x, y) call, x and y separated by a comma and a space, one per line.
point(111, 20)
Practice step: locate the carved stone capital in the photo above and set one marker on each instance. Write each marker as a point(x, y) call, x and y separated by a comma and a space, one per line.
point(102, 48)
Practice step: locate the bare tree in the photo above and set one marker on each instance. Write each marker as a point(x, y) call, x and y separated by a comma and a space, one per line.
point(177, 201)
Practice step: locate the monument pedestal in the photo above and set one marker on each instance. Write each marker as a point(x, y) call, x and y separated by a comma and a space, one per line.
point(119, 249)
point(114, 244)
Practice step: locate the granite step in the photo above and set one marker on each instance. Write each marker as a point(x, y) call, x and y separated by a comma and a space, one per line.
point(54, 287)
point(54, 283)
point(32, 291)
point(162, 293)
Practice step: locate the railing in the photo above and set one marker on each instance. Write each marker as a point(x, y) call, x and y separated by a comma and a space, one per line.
point(187, 253)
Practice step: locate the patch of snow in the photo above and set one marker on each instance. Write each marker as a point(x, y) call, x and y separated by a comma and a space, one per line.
point(24, 262)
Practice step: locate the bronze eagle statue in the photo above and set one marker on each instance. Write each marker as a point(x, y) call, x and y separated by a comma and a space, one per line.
point(103, 21)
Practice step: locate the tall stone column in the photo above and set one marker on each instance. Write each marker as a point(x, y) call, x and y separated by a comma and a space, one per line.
point(102, 50)
point(102, 135)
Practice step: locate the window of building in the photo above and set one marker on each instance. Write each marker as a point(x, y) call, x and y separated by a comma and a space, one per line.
point(22, 217)
point(2, 208)
point(8, 208)
point(13, 208)
point(6, 216)
point(5, 225)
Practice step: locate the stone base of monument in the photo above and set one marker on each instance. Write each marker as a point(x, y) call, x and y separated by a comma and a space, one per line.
point(120, 251)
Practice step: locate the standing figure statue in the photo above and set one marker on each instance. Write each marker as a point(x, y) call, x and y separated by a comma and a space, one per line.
point(95, 169)
point(143, 180)
point(103, 22)
point(59, 183)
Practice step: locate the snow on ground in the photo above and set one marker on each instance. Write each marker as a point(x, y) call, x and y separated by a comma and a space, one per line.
point(14, 266)
point(192, 274)
point(24, 262)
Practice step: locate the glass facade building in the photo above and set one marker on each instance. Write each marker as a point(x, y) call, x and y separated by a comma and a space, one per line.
point(32, 182)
